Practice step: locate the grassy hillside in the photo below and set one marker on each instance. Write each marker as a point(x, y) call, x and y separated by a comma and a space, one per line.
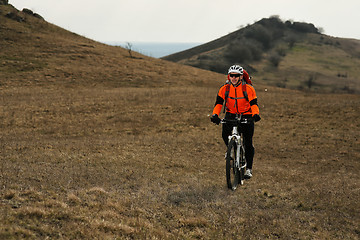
point(39, 53)
point(97, 145)
point(285, 54)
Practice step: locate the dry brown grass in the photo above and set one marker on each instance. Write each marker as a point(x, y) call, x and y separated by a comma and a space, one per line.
point(147, 163)
point(96, 158)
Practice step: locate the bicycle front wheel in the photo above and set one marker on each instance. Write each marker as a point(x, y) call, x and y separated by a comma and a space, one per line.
point(242, 161)
point(232, 172)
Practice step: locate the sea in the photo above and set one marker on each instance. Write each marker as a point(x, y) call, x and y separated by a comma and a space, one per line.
point(155, 49)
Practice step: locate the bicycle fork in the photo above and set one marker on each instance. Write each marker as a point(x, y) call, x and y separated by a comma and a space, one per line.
point(242, 162)
point(235, 134)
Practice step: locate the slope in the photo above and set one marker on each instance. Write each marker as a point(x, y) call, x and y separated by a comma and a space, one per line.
point(38, 52)
point(90, 149)
point(285, 54)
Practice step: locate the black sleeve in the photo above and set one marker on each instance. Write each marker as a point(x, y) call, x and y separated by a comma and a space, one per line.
point(219, 100)
point(253, 102)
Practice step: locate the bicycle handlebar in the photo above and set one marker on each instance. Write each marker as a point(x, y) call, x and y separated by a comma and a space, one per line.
point(237, 121)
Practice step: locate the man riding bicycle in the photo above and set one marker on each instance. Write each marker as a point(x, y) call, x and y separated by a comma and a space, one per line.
point(239, 98)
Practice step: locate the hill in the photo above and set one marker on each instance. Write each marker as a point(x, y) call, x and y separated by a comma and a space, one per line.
point(95, 144)
point(41, 53)
point(285, 54)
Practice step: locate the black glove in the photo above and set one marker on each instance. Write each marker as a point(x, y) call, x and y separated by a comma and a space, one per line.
point(215, 119)
point(257, 117)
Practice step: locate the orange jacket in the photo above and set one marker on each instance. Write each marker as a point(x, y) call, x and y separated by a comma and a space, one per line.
point(236, 103)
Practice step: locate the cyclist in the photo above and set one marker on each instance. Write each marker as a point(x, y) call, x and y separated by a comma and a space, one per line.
point(233, 93)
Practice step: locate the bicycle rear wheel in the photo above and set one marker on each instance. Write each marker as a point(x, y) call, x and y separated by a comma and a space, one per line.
point(232, 172)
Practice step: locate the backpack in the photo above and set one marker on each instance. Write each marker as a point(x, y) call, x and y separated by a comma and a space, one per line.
point(247, 77)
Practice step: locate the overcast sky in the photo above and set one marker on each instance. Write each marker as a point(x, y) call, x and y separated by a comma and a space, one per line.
point(189, 20)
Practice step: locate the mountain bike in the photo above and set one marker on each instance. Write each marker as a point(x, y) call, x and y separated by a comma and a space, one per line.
point(235, 154)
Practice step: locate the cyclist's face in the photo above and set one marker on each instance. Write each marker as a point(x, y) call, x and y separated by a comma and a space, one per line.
point(235, 78)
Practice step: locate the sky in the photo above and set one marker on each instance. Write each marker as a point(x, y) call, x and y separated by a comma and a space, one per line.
point(189, 21)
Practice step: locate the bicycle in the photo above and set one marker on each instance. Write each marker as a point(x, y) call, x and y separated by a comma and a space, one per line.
point(235, 154)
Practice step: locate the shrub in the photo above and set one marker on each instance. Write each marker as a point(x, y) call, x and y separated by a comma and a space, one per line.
point(281, 51)
point(242, 51)
point(260, 34)
point(303, 27)
point(311, 81)
point(15, 16)
point(38, 16)
point(28, 11)
point(272, 22)
point(219, 67)
point(291, 40)
point(275, 59)
point(238, 53)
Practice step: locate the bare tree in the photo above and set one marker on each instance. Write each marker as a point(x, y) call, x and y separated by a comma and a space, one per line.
point(128, 47)
point(311, 81)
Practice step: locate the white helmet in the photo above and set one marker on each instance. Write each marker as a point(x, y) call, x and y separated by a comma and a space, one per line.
point(236, 69)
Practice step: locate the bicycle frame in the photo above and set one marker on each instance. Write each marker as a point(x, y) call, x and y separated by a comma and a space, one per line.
point(239, 144)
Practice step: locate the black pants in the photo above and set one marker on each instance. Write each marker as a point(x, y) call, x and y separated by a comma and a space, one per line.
point(248, 131)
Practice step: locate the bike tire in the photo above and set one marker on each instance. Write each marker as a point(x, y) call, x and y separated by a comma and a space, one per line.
point(232, 172)
point(242, 162)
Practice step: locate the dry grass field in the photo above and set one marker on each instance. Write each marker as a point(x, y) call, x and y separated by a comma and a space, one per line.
point(147, 163)
point(97, 145)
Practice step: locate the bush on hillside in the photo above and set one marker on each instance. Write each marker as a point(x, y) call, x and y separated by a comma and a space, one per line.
point(243, 51)
point(273, 22)
point(15, 16)
point(29, 12)
point(302, 27)
point(218, 67)
point(291, 40)
point(259, 33)
point(305, 27)
point(274, 25)
point(281, 51)
point(38, 16)
point(275, 59)
point(237, 52)
point(4, 2)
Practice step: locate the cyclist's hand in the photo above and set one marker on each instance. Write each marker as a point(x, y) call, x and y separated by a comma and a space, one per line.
point(215, 119)
point(257, 117)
